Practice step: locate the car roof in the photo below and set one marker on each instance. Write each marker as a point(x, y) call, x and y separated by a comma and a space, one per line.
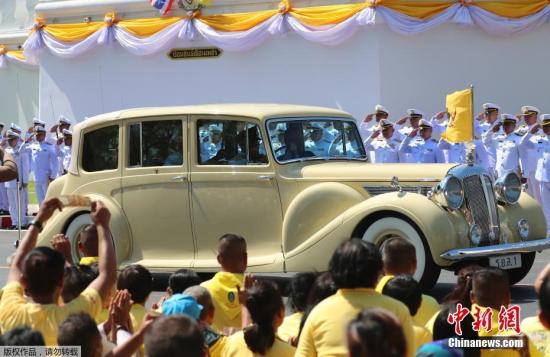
point(255, 110)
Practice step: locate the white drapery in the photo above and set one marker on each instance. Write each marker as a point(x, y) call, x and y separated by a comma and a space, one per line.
point(188, 29)
point(8, 58)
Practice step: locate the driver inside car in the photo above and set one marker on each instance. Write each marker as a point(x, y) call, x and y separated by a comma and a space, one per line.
point(294, 143)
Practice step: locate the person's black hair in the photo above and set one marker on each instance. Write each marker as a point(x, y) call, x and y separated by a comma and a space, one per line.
point(299, 288)
point(182, 279)
point(489, 286)
point(463, 287)
point(376, 332)
point(173, 336)
point(89, 239)
point(137, 280)
point(322, 288)
point(544, 298)
point(405, 289)
point(264, 302)
point(22, 336)
point(80, 330)
point(442, 329)
point(398, 254)
point(356, 264)
point(43, 270)
point(76, 280)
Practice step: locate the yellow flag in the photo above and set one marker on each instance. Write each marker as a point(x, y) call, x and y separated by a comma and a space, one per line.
point(459, 106)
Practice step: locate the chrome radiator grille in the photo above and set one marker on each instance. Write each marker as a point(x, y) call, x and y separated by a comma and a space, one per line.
point(481, 203)
point(379, 190)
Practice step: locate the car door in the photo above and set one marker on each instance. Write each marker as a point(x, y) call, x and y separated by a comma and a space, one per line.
point(233, 189)
point(155, 191)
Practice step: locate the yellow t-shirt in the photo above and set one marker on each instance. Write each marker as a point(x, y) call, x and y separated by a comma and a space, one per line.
point(430, 324)
point(538, 334)
point(137, 313)
point(223, 288)
point(290, 326)
point(236, 347)
point(324, 333)
point(428, 307)
point(102, 316)
point(88, 260)
point(16, 311)
point(421, 335)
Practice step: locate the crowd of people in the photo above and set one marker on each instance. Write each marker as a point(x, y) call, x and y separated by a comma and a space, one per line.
point(39, 153)
point(366, 304)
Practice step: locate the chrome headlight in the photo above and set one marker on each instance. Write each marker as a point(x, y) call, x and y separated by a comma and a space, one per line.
point(450, 188)
point(523, 229)
point(508, 188)
point(475, 234)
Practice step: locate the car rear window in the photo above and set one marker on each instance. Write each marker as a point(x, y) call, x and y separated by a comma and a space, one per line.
point(100, 149)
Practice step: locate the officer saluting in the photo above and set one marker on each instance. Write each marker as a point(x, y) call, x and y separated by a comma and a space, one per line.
point(23, 165)
point(44, 163)
point(542, 172)
point(383, 148)
point(414, 116)
point(504, 146)
point(527, 156)
point(366, 129)
point(484, 122)
point(422, 148)
point(63, 151)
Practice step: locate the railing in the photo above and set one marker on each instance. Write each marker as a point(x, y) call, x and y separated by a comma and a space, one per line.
point(16, 15)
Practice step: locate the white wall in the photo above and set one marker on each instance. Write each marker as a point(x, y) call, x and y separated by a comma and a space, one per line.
point(18, 95)
point(376, 65)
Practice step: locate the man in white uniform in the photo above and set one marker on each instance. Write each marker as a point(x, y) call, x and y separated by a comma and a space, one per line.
point(453, 153)
point(542, 172)
point(383, 148)
point(317, 144)
point(483, 123)
point(44, 163)
point(402, 131)
point(211, 144)
point(16, 150)
point(527, 156)
point(64, 152)
point(366, 128)
point(504, 146)
point(533, 142)
point(422, 148)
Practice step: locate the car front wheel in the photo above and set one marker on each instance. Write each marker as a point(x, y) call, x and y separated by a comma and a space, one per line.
point(427, 272)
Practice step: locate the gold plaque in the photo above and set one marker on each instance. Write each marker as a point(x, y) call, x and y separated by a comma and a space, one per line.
point(197, 52)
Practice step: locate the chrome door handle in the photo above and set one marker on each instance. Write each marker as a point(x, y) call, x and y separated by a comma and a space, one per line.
point(265, 177)
point(179, 178)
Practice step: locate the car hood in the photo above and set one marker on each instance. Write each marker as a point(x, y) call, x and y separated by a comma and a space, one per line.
point(361, 171)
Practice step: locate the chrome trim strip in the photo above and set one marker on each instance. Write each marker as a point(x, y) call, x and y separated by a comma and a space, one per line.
point(479, 252)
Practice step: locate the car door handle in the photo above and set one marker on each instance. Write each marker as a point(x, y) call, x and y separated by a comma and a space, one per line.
point(179, 178)
point(265, 177)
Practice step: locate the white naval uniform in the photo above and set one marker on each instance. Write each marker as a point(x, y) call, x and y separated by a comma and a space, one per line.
point(63, 158)
point(22, 160)
point(44, 166)
point(528, 162)
point(438, 127)
point(533, 147)
point(542, 174)
point(403, 133)
point(506, 149)
point(382, 150)
point(454, 153)
point(422, 151)
point(483, 158)
point(4, 202)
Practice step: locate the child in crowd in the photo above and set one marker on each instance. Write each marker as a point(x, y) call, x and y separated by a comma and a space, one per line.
point(22, 336)
point(407, 290)
point(81, 330)
point(224, 286)
point(139, 283)
point(538, 327)
point(87, 245)
point(75, 279)
point(175, 336)
point(399, 257)
point(355, 267)
point(214, 340)
point(376, 332)
point(39, 273)
point(265, 305)
point(300, 285)
point(177, 283)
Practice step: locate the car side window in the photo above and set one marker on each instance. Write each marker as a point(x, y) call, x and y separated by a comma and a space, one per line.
point(230, 142)
point(155, 143)
point(100, 149)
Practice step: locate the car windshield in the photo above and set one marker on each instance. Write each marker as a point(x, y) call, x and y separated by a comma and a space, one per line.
point(315, 138)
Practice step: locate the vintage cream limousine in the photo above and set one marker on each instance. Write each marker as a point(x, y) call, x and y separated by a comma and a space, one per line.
point(294, 181)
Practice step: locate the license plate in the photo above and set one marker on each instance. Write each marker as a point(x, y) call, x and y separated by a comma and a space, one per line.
point(509, 261)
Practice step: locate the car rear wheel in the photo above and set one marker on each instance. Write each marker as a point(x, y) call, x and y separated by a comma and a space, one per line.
point(427, 272)
point(73, 233)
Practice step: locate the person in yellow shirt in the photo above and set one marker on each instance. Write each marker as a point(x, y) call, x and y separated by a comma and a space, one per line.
point(300, 286)
point(407, 290)
point(355, 267)
point(538, 328)
point(491, 290)
point(39, 273)
point(224, 286)
point(213, 339)
point(264, 303)
point(376, 332)
point(399, 257)
point(87, 245)
point(139, 282)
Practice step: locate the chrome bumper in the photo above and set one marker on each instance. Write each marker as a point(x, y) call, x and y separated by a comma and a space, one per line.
point(480, 252)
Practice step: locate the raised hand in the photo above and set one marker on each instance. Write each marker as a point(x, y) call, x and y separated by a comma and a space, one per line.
point(413, 133)
point(368, 118)
point(402, 120)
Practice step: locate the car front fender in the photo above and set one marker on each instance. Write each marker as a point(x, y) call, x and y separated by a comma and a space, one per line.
point(120, 230)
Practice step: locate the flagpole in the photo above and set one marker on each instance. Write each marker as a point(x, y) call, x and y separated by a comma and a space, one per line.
point(473, 111)
point(471, 152)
